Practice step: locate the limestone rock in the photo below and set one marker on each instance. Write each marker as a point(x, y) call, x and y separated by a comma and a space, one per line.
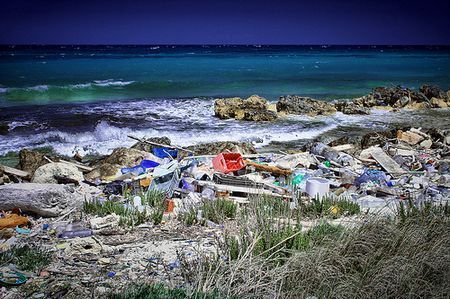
point(103, 172)
point(351, 108)
point(432, 91)
point(48, 200)
point(45, 174)
point(418, 105)
point(304, 105)
point(396, 97)
point(409, 137)
point(438, 103)
point(254, 108)
point(31, 160)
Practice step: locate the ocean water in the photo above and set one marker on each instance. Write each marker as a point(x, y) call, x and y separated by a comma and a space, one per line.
point(89, 98)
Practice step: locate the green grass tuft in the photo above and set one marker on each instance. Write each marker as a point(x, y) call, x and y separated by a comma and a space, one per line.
point(26, 258)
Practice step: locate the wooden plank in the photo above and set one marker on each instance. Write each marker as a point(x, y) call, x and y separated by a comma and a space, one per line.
point(16, 172)
point(82, 167)
point(247, 190)
point(161, 145)
point(343, 147)
point(271, 169)
point(387, 162)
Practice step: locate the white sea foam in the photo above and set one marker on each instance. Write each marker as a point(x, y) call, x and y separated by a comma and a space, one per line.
point(44, 87)
point(39, 88)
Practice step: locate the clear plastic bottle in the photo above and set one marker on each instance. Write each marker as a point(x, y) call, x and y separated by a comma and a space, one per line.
point(76, 233)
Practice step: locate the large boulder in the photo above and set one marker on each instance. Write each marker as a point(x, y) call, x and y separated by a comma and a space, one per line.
point(438, 103)
point(254, 108)
point(46, 173)
point(351, 108)
point(48, 200)
point(396, 97)
point(30, 160)
point(293, 104)
point(104, 171)
point(433, 91)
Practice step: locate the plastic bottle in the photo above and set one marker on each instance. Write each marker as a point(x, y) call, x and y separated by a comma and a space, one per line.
point(208, 193)
point(76, 233)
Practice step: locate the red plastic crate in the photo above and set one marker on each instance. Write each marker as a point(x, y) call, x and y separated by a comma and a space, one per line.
point(228, 162)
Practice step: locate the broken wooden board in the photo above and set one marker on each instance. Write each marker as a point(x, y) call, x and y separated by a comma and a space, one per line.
point(271, 169)
point(83, 168)
point(16, 172)
point(343, 147)
point(246, 190)
point(387, 162)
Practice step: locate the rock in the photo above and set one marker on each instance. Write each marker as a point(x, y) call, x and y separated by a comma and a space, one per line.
point(409, 137)
point(48, 200)
point(88, 245)
point(293, 104)
point(31, 160)
point(438, 103)
point(351, 108)
point(103, 172)
point(126, 157)
point(427, 143)
point(377, 138)
point(142, 146)
point(447, 140)
point(214, 148)
point(4, 129)
point(432, 91)
point(254, 108)
point(418, 105)
point(46, 173)
point(396, 97)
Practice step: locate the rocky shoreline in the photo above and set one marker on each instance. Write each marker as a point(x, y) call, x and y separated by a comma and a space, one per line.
point(256, 108)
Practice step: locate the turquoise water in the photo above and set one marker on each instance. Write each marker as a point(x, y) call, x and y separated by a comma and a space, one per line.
point(42, 75)
point(88, 99)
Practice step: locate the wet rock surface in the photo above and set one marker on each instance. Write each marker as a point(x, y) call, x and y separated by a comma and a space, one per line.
point(30, 160)
point(293, 104)
point(254, 108)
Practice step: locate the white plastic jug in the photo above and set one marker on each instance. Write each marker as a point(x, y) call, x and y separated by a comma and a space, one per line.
point(317, 187)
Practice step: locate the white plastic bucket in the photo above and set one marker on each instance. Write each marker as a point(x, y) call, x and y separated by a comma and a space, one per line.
point(317, 187)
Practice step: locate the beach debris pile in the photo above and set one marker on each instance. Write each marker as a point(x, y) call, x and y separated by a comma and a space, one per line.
point(121, 213)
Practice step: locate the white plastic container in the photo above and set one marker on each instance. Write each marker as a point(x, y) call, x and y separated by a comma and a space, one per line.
point(317, 187)
point(137, 201)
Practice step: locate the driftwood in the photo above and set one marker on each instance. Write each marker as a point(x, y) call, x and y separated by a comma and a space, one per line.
point(271, 169)
point(159, 144)
point(83, 168)
point(48, 200)
point(16, 172)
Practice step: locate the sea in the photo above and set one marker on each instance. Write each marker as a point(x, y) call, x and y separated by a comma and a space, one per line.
point(88, 99)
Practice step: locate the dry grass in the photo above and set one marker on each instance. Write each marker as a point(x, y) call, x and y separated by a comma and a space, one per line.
point(407, 257)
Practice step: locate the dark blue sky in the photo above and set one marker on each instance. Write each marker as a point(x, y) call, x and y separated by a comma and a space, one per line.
point(225, 22)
